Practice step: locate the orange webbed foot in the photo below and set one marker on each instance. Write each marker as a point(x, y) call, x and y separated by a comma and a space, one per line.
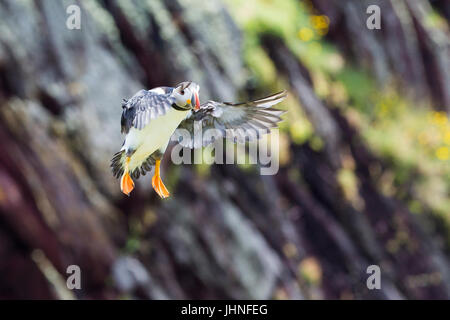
point(159, 187)
point(126, 184)
point(157, 183)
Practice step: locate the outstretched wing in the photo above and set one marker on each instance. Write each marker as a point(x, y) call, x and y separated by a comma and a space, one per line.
point(144, 106)
point(240, 121)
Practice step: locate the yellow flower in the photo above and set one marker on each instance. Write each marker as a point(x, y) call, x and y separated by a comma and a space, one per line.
point(306, 34)
point(439, 118)
point(443, 153)
point(320, 22)
point(447, 137)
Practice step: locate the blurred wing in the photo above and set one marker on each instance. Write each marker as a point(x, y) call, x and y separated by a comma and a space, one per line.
point(144, 106)
point(241, 121)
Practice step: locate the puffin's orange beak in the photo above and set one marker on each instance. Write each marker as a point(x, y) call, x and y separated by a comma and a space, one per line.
point(197, 102)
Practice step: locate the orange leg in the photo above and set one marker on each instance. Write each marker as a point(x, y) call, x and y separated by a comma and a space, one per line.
point(157, 183)
point(126, 183)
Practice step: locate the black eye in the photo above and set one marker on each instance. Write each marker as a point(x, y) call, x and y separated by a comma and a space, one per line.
point(182, 92)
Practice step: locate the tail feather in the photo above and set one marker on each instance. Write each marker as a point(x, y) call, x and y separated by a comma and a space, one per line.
point(118, 165)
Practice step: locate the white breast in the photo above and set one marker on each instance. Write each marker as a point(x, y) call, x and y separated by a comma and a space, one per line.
point(152, 137)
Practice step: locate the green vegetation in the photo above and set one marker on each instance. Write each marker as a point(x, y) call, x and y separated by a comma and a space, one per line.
point(412, 139)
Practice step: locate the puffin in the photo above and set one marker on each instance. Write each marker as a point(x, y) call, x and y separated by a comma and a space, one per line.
point(150, 119)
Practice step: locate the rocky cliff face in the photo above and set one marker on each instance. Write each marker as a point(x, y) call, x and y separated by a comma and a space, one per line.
point(229, 233)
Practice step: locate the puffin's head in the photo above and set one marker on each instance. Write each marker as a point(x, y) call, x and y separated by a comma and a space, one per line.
point(186, 95)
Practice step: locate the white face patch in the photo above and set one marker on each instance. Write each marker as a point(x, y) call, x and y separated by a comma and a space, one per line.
point(184, 92)
point(182, 96)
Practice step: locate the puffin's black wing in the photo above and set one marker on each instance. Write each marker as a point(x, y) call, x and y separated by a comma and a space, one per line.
point(240, 121)
point(144, 106)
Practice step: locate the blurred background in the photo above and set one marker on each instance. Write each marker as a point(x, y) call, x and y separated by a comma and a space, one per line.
point(364, 155)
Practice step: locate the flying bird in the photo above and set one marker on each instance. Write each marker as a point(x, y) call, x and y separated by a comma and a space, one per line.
point(150, 118)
